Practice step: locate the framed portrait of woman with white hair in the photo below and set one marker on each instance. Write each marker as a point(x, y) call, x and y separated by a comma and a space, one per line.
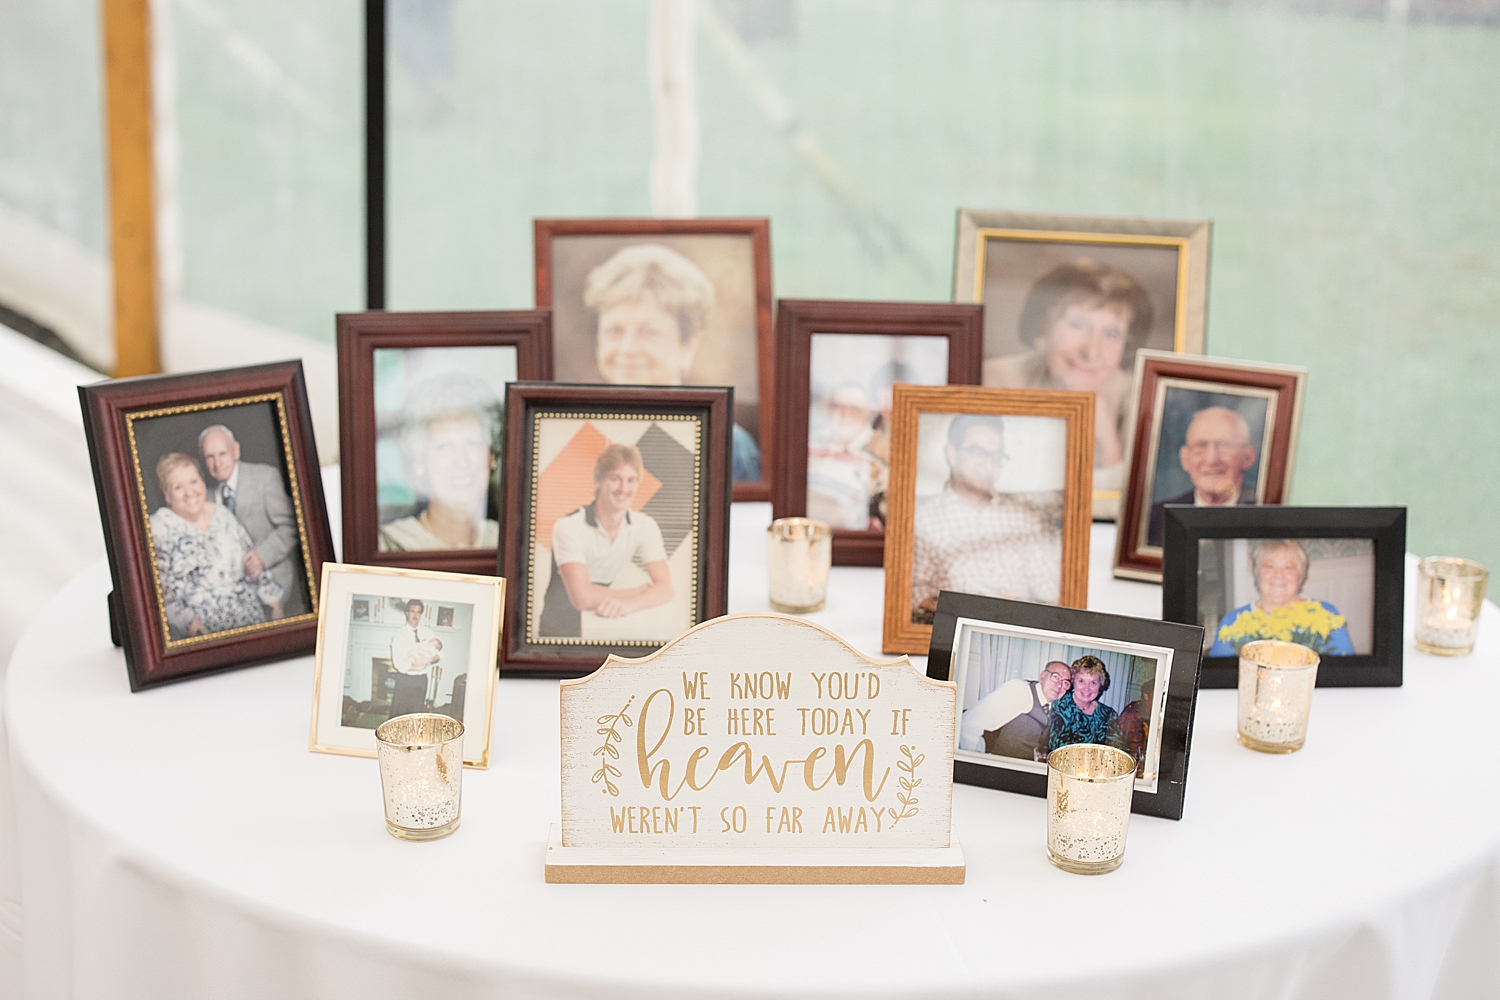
point(1069, 299)
point(667, 302)
point(422, 431)
point(617, 512)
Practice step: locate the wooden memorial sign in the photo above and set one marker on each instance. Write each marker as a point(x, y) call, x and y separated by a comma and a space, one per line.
point(756, 748)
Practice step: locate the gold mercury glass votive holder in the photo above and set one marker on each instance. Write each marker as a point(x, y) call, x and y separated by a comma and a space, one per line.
point(798, 554)
point(1450, 593)
point(1088, 807)
point(1276, 691)
point(421, 774)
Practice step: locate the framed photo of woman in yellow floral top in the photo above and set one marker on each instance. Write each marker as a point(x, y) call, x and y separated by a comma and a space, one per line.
point(1329, 578)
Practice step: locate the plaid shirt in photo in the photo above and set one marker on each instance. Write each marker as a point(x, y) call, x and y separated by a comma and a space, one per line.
point(1005, 548)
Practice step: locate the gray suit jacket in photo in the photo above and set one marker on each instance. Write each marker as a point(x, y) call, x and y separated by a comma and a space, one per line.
point(263, 507)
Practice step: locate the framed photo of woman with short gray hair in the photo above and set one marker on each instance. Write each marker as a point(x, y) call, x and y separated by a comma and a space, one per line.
point(422, 431)
point(667, 302)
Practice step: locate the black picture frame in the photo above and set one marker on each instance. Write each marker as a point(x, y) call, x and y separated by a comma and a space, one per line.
point(1186, 526)
point(1184, 641)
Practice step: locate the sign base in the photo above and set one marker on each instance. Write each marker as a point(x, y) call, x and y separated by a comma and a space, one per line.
point(784, 866)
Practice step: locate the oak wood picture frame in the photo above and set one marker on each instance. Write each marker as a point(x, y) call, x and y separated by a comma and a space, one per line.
point(1385, 526)
point(529, 331)
point(758, 230)
point(137, 610)
point(528, 401)
point(899, 633)
point(1155, 373)
point(797, 320)
point(1191, 238)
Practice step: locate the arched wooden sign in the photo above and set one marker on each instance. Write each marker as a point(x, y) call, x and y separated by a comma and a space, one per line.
point(756, 748)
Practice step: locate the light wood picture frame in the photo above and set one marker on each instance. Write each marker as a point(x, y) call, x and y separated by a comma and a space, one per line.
point(1069, 299)
point(366, 611)
point(985, 504)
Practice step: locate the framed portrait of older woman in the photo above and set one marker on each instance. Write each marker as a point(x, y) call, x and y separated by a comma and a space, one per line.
point(214, 518)
point(1069, 299)
point(1205, 432)
point(617, 512)
point(422, 431)
point(667, 302)
point(1328, 578)
point(838, 362)
point(1033, 678)
point(989, 495)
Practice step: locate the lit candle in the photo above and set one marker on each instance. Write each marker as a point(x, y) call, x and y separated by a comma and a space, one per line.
point(1450, 593)
point(798, 554)
point(1089, 789)
point(1275, 694)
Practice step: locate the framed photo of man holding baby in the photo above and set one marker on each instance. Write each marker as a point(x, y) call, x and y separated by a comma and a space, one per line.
point(214, 517)
point(617, 508)
point(1069, 299)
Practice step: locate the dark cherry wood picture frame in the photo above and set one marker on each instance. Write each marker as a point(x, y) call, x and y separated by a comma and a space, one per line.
point(135, 608)
point(526, 400)
point(962, 325)
point(759, 232)
point(1287, 381)
point(529, 331)
point(1185, 527)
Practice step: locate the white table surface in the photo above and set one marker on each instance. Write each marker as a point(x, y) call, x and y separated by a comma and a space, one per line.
point(183, 842)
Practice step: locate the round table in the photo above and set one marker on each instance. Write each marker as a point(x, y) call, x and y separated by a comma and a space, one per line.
point(183, 842)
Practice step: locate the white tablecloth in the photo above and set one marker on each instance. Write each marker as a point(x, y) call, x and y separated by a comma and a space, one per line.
point(184, 843)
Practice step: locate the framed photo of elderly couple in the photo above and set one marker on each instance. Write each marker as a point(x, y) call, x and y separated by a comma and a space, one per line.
point(214, 517)
point(1329, 578)
point(667, 302)
point(1207, 432)
point(617, 512)
point(989, 495)
point(1032, 678)
point(422, 431)
point(1070, 299)
point(838, 363)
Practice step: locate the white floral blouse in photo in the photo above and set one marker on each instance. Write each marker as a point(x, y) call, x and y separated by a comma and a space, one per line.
point(203, 574)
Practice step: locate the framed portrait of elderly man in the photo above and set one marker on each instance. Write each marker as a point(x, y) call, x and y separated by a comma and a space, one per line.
point(1329, 578)
point(396, 641)
point(214, 517)
point(667, 302)
point(422, 431)
point(989, 495)
point(1033, 678)
point(617, 511)
point(1207, 432)
point(839, 362)
point(1069, 299)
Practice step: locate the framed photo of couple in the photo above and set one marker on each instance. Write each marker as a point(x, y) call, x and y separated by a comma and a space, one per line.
point(214, 518)
point(1070, 299)
point(989, 495)
point(1033, 678)
point(422, 431)
point(839, 362)
point(1207, 432)
point(617, 508)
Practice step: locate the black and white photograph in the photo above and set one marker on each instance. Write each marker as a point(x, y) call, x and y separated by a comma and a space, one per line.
point(394, 642)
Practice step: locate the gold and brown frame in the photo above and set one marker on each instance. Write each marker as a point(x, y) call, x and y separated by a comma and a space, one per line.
point(797, 320)
point(360, 335)
point(1157, 372)
point(758, 232)
point(111, 412)
point(530, 403)
point(1190, 238)
point(899, 633)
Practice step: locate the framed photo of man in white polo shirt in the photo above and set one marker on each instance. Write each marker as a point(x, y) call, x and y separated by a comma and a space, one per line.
point(617, 510)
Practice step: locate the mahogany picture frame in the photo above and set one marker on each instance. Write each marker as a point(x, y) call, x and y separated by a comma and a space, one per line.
point(546, 230)
point(527, 403)
point(1156, 373)
point(961, 324)
point(137, 611)
point(899, 633)
point(359, 335)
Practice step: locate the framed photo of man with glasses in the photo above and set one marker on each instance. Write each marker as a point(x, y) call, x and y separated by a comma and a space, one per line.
point(989, 495)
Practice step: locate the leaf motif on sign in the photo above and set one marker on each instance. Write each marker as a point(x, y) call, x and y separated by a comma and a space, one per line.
point(908, 782)
point(608, 728)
